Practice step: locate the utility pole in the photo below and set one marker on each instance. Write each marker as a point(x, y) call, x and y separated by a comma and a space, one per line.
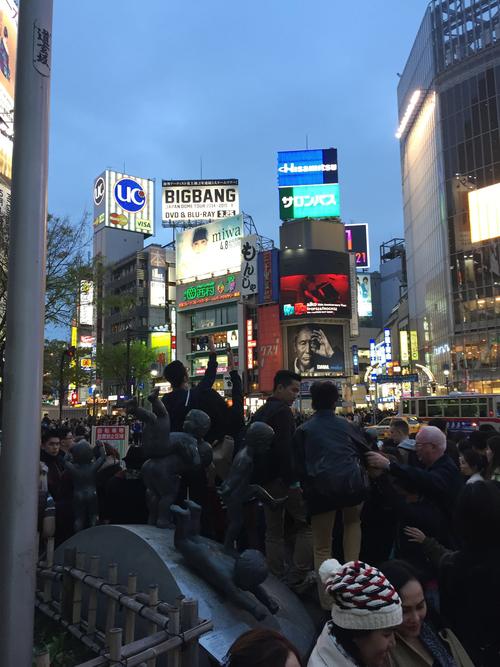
point(19, 458)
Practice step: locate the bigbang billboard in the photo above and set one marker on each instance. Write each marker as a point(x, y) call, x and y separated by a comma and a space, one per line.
point(124, 202)
point(309, 167)
point(188, 201)
point(314, 284)
point(316, 349)
point(209, 250)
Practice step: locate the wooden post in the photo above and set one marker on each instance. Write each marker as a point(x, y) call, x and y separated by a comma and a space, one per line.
point(129, 614)
point(189, 618)
point(115, 644)
point(92, 611)
point(152, 602)
point(42, 658)
point(77, 590)
point(68, 585)
point(174, 627)
point(111, 603)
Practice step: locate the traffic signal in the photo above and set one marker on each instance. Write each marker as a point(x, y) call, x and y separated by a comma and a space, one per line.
point(71, 352)
point(74, 398)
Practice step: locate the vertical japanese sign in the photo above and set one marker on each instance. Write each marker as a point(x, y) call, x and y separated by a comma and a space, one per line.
point(388, 345)
point(414, 345)
point(403, 347)
point(249, 253)
point(270, 346)
point(268, 265)
point(251, 344)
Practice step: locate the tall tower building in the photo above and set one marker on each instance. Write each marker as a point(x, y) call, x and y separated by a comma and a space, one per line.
point(449, 112)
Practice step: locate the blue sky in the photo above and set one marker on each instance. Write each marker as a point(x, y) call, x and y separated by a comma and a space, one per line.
point(154, 85)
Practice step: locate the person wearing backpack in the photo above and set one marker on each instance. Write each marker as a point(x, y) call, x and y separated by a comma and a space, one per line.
point(328, 453)
point(275, 472)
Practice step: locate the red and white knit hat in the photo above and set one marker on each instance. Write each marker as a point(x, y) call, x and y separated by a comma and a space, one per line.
point(363, 599)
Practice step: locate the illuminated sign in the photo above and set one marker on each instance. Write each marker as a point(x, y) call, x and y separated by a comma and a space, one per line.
point(232, 338)
point(357, 242)
point(404, 348)
point(309, 201)
point(124, 202)
point(364, 295)
point(315, 295)
point(86, 306)
point(268, 272)
point(184, 201)
point(214, 290)
point(484, 213)
point(87, 341)
point(209, 250)
point(251, 344)
point(86, 362)
point(355, 360)
point(308, 167)
point(408, 113)
point(249, 254)
point(373, 352)
point(388, 345)
point(414, 345)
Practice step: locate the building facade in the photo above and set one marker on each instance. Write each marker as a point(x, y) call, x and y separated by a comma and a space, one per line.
point(449, 110)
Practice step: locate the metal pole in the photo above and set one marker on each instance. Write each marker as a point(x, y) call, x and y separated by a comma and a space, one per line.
point(127, 388)
point(19, 459)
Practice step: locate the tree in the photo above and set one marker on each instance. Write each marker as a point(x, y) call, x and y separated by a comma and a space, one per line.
point(72, 374)
point(111, 362)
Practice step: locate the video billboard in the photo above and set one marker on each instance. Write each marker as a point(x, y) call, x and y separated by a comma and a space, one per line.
point(314, 283)
point(484, 213)
point(309, 201)
point(124, 202)
point(357, 242)
point(187, 201)
point(86, 305)
point(316, 349)
point(8, 48)
point(365, 308)
point(309, 167)
point(211, 249)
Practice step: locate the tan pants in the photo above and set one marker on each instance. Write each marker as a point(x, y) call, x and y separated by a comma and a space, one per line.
point(322, 530)
point(302, 560)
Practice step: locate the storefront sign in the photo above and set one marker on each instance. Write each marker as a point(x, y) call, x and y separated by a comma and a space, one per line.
point(403, 347)
point(210, 291)
point(309, 201)
point(116, 436)
point(387, 379)
point(251, 344)
point(414, 345)
point(268, 276)
point(249, 254)
point(270, 347)
point(388, 345)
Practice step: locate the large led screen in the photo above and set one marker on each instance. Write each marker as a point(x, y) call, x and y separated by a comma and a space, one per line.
point(356, 237)
point(364, 295)
point(484, 213)
point(314, 283)
point(316, 349)
point(308, 167)
point(309, 201)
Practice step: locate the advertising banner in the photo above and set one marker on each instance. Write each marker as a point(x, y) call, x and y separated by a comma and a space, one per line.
point(8, 48)
point(316, 349)
point(269, 348)
point(268, 276)
point(124, 202)
point(209, 250)
point(210, 291)
point(86, 309)
point(404, 348)
point(249, 254)
point(365, 308)
point(414, 345)
point(309, 167)
point(484, 213)
point(309, 201)
point(188, 201)
point(357, 242)
point(157, 295)
point(116, 436)
point(323, 294)
point(161, 344)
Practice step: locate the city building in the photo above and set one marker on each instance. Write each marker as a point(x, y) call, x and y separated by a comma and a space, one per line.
point(449, 108)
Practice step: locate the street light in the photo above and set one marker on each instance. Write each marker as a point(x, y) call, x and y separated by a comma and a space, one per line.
point(446, 379)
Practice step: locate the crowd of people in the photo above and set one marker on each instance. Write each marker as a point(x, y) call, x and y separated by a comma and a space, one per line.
point(415, 522)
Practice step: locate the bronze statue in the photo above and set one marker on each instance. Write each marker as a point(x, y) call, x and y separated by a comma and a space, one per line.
point(83, 470)
point(236, 490)
point(234, 576)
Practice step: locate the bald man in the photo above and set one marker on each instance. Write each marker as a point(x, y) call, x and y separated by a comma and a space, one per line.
point(439, 481)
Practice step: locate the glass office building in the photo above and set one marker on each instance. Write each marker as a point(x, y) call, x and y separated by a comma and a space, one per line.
point(449, 111)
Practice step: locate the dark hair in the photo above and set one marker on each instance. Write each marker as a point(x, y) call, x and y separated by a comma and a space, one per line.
point(401, 425)
point(477, 515)
point(439, 423)
point(48, 434)
point(80, 430)
point(399, 573)
point(324, 395)
point(486, 428)
point(175, 373)
point(260, 648)
point(494, 444)
point(475, 460)
point(285, 378)
point(478, 439)
point(346, 638)
point(200, 234)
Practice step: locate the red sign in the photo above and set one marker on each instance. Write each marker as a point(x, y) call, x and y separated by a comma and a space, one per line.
point(269, 346)
point(251, 343)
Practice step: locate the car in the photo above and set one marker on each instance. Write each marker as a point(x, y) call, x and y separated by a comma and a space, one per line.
point(384, 426)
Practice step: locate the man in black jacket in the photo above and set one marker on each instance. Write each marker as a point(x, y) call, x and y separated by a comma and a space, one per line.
point(276, 474)
point(439, 482)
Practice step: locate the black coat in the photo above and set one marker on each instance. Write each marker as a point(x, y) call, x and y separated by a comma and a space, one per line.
point(334, 440)
point(278, 462)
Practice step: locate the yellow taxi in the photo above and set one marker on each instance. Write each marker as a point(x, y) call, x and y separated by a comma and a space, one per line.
point(383, 426)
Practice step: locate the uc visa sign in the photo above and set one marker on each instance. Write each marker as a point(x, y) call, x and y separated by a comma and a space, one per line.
point(308, 184)
point(124, 202)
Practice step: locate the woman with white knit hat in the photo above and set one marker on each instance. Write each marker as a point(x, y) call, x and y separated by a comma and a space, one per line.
point(365, 611)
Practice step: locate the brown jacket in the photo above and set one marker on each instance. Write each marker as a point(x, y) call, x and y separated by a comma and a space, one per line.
point(404, 655)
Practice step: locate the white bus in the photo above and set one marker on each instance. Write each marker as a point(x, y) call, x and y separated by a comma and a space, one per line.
point(462, 411)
